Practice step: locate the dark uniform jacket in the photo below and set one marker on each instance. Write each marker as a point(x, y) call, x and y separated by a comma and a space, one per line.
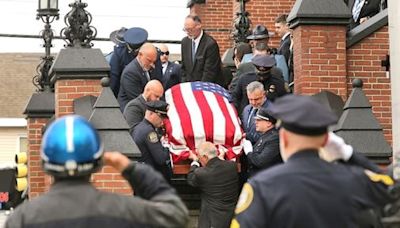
point(76, 203)
point(134, 112)
point(153, 153)
point(248, 122)
point(266, 152)
point(308, 192)
point(219, 185)
point(172, 75)
point(119, 59)
point(133, 81)
point(207, 64)
point(274, 87)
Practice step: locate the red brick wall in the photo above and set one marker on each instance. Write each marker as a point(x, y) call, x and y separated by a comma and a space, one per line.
point(68, 90)
point(36, 176)
point(364, 62)
point(319, 59)
point(265, 12)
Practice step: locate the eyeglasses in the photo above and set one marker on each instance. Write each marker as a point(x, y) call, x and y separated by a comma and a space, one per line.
point(164, 53)
point(189, 30)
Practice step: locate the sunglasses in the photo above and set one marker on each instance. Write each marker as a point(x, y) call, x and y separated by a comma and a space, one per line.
point(164, 53)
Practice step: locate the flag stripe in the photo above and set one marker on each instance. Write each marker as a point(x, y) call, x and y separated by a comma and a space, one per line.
point(196, 118)
point(176, 134)
point(184, 117)
point(229, 124)
point(219, 118)
point(206, 114)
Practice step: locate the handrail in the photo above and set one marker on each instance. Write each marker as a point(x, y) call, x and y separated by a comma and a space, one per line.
point(367, 28)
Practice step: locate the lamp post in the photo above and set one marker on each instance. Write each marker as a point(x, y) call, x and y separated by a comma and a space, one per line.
point(48, 12)
point(241, 23)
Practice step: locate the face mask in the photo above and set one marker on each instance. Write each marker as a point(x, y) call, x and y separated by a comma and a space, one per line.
point(262, 75)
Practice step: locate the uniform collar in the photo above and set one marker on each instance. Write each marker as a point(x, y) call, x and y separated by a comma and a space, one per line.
point(305, 153)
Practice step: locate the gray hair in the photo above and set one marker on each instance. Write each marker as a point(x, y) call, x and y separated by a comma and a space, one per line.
point(253, 86)
point(208, 149)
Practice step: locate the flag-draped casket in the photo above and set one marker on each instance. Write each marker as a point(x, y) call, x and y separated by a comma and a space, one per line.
point(199, 112)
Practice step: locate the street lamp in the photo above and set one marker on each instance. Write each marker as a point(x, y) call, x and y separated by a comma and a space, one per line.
point(48, 12)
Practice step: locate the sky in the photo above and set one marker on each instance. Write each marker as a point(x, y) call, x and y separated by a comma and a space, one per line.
point(163, 19)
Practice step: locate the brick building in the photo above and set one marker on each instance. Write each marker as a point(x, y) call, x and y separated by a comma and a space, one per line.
point(327, 57)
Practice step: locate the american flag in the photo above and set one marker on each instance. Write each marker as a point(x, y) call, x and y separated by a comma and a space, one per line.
point(199, 112)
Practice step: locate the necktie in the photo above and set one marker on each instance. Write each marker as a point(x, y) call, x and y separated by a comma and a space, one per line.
point(251, 115)
point(147, 75)
point(358, 4)
point(193, 50)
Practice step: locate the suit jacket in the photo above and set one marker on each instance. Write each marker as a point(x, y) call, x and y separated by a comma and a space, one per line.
point(134, 112)
point(172, 75)
point(133, 81)
point(369, 9)
point(284, 48)
point(207, 64)
point(119, 59)
point(219, 185)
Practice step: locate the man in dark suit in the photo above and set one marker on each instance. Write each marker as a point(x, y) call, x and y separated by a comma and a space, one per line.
point(362, 10)
point(136, 75)
point(200, 54)
point(218, 182)
point(129, 42)
point(282, 29)
point(171, 71)
point(135, 109)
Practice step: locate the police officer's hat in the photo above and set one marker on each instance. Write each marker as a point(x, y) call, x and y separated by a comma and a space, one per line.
point(135, 36)
point(262, 114)
point(160, 107)
point(117, 36)
point(259, 32)
point(263, 62)
point(302, 115)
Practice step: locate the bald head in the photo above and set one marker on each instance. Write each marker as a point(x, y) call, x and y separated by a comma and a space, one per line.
point(153, 90)
point(207, 149)
point(164, 53)
point(147, 56)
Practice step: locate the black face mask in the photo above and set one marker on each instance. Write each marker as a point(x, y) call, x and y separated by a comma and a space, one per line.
point(263, 75)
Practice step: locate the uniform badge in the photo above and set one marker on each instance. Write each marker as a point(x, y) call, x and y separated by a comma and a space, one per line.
point(376, 177)
point(245, 198)
point(271, 88)
point(152, 137)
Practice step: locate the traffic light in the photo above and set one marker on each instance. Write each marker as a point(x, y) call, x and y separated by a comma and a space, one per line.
point(21, 171)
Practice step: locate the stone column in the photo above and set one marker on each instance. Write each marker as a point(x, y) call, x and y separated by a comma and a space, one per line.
point(319, 30)
point(39, 110)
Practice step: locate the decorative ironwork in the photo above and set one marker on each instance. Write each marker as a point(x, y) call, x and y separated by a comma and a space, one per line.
point(78, 32)
point(42, 80)
point(242, 23)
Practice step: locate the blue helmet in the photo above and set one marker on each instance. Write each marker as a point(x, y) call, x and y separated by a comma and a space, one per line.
point(71, 147)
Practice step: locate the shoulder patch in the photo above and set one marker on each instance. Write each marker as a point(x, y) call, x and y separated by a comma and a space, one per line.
point(152, 137)
point(245, 198)
point(376, 177)
point(235, 224)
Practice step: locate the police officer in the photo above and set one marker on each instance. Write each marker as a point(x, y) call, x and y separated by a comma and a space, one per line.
point(71, 151)
point(265, 73)
point(265, 152)
point(148, 141)
point(307, 191)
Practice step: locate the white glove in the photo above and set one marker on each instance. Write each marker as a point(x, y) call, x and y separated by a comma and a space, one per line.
point(247, 146)
point(336, 148)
